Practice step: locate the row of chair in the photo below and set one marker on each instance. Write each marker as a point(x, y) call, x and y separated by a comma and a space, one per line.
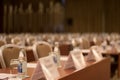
point(42, 46)
point(11, 51)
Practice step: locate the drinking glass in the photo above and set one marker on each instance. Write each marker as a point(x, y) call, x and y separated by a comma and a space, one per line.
point(13, 68)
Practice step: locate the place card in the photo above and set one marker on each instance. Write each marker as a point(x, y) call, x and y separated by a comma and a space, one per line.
point(94, 55)
point(85, 50)
point(99, 49)
point(109, 48)
point(46, 68)
point(31, 65)
point(104, 43)
point(63, 58)
point(98, 56)
point(38, 72)
point(49, 68)
point(69, 63)
point(75, 59)
point(117, 47)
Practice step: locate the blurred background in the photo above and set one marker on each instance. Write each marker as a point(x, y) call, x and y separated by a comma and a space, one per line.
point(59, 16)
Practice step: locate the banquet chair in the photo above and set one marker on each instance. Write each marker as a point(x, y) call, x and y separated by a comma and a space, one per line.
point(41, 49)
point(65, 48)
point(2, 42)
point(30, 40)
point(18, 41)
point(15, 40)
point(85, 44)
point(8, 52)
point(8, 39)
point(97, 41)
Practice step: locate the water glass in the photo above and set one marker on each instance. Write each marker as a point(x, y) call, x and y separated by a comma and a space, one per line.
point(13, 68)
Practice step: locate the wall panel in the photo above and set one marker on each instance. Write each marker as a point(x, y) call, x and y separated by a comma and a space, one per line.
point(86, 15)
point(1, 15)
point(81, 15)
point(112, 15)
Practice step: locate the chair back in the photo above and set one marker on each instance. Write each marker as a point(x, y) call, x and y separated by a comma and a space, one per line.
point(41, 49)
point(8, 52)
point(2, 42)
point(18, 41)
point(85, 44)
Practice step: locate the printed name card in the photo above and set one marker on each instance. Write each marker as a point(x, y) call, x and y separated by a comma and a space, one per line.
point(99, 49)
point(98, 56)
point(75, 59)
point(94, 54)
point(117, 47)
point(69, 63)
point(49, 68)
point(106, 48)
point(109, 48)
point(46, 68)
point(38, 72)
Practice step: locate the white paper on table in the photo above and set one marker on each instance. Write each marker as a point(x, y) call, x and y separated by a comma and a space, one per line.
point(38, 72)
point(108, 48)
point(75, 59)
point(69, 63)
point(4, 76)
point(101, 49)
point(31, 65)
point(104, 43)
point(78, 59)
point(96, 53)
point(98, 56)
point(49, 68)
point(117, 47)
point(90, 56)
point(85, 50)
point(63, 58)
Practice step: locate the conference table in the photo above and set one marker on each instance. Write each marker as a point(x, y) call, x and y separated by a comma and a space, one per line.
point(95, 70)
point(111, 53)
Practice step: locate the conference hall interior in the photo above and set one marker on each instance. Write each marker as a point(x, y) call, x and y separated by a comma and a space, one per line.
point(90, 28)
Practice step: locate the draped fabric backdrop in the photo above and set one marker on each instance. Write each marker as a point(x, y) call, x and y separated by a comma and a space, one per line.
point(1, 15)
point(93, 15)
point(71, 16)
